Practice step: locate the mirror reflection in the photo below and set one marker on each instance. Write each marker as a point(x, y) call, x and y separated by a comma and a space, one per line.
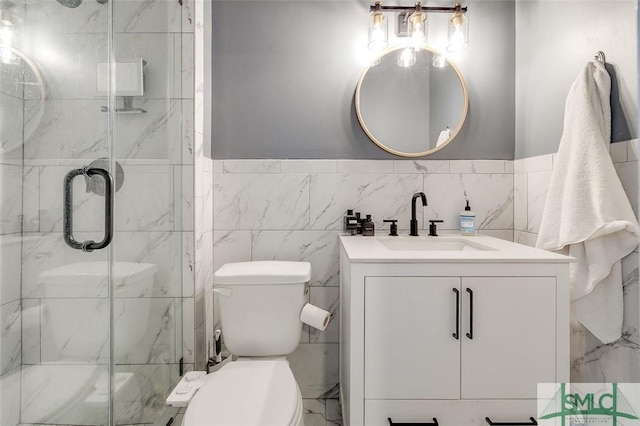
point(411, 102)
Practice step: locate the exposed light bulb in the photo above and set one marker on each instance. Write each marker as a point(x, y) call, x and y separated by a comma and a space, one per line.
point(378, 29)
point(6, 41)
point(458, 32)
point(407, 57)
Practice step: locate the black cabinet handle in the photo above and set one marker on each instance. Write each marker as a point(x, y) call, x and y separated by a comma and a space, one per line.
point(531, 422)
point(435, 423)
point(470, 333)
point(456, 335)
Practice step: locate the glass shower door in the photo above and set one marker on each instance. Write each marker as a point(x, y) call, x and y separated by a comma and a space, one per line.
point(55, 300)
point(90, 335)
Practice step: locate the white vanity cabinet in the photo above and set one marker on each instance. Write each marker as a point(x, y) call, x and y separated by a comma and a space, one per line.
point(458, 340)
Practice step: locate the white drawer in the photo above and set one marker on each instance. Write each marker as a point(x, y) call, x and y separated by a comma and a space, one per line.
point(448, 413)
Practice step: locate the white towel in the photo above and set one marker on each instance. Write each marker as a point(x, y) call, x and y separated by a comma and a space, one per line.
point(443, 136)
point(587, 209)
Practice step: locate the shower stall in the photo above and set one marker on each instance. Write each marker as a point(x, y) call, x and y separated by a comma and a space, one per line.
point(96, 210)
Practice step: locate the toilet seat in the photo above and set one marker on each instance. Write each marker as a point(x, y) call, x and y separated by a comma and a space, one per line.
point(247, 393)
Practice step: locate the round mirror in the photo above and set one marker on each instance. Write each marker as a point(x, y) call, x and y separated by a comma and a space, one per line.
point(411, 102)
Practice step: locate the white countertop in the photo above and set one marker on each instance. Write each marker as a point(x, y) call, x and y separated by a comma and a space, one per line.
point(370, 250)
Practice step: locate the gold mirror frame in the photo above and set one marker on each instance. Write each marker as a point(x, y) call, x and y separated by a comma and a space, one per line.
point(454, 132)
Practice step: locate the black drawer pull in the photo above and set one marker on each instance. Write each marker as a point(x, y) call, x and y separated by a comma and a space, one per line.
point(532, 422)
point(456, 335)
point(435, 423)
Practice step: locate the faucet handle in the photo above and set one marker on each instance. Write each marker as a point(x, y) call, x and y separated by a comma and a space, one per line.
point(433, 230)
point(393, 228)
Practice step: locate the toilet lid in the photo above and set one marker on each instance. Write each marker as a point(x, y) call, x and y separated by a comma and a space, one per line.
point(246, 393)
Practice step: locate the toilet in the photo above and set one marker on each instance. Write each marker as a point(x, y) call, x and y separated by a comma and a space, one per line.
point(260, 305)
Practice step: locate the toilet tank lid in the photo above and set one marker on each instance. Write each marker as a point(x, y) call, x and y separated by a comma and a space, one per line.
point(263, 272)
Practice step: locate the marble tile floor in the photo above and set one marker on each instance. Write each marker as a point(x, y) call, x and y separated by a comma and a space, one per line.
point(317, 412)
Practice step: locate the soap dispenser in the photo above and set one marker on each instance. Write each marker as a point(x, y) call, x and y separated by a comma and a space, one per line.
point(467, 221)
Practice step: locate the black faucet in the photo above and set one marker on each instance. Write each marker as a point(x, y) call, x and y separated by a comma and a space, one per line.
point(414, 221)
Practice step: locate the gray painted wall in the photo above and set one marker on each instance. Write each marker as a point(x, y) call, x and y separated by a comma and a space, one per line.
point(284, 76)
point(555, 39)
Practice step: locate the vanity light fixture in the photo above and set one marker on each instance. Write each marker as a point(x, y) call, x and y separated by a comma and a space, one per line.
point(412, 23)
point(378, 28)
point(458, 30)
point(6, 36)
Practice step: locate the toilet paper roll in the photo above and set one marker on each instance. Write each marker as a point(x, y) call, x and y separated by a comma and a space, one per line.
point(315, 317)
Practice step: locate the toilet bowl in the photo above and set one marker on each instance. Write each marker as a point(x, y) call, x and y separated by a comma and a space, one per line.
point(245, 393)
point(260, 305)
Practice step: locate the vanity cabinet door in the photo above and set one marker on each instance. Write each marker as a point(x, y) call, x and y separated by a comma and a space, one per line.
point(410, 350)
point(514, 332)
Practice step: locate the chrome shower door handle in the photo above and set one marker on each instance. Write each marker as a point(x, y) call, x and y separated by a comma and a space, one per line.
point(88, 245)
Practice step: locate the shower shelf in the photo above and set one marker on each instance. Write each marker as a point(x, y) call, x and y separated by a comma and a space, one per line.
point(127, 109)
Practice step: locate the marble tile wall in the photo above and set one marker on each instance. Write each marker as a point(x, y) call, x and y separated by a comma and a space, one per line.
point(293, 209)
point(60, 331)
point(618, 361)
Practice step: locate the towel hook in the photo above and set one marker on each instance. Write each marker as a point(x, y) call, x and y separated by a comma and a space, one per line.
point(600, 56)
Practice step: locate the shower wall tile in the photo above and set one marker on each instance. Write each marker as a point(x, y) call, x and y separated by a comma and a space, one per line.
point(446, 195)
point(11, 111)
point(10, 333)
point(65, 129)
point(144, 16)
point(164, 249)
point(67, 62)
point(252, 201)
point(32, 318)
point(150, 135)
point(188, 18)
point(182, 138)
point(183, 194)
point(31, 198)
point(10, 78)
point(50, 17)
point(75, 330)
point(144, 402)
point(188, 327)
point(186, 89)
point(10, 402)
point(188, 259)
point(10, 199)
point(10, 273)
point(320, 248)
point(145, 331)
point(384, 196)
point(47, 388)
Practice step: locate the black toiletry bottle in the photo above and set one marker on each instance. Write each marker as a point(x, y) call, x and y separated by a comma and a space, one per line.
point(368, 228)
point(360, 223)
point(350, 223)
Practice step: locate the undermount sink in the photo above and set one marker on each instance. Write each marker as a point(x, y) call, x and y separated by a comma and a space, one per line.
point(452, 243)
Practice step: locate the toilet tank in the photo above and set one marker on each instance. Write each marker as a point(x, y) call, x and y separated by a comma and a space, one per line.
point(260, 305)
